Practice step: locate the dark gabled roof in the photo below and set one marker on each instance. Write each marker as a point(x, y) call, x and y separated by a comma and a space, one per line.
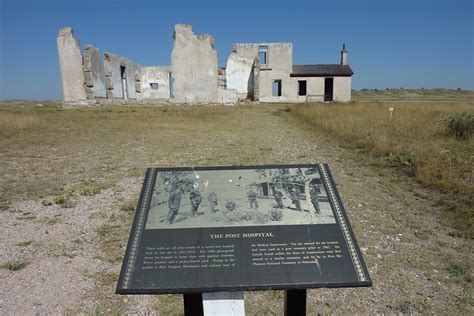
point(321, 71)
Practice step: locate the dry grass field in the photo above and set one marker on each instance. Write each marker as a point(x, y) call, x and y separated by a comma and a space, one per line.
point(70, 180)
point(413, 138)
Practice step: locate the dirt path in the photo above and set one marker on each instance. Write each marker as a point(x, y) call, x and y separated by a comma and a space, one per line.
point(74, 253)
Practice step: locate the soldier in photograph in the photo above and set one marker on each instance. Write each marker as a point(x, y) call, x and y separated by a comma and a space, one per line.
point(213, 201)
point(230, 206)
point(252, 196)
point(314, 199)
point(195, 198)
point(174, 201)
point(278, 198)
point(295, 198)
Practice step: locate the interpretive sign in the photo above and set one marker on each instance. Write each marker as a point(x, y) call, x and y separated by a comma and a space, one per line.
point(240, 228)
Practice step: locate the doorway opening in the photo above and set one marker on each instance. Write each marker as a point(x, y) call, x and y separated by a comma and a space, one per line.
point(171, 80)
point(328, 89)
point(123, 76)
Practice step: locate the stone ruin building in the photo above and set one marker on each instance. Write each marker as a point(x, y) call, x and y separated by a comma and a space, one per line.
point(259, 71)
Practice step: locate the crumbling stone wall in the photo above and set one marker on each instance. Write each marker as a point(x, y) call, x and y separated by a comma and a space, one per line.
point(227, 96)
point(255, 95)
point(70, 62)
point(278, 67)
point(116, 87)
point(138, 79)
point(194, 75)
point(94, 73)
point(239, 75)
point(109, 83)
point(194, 66)
point(159, 77)
point(221, 78)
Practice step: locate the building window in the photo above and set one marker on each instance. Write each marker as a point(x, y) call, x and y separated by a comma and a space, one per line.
point(154, 86)
point(262, 54)
point(301, 87)
point(276, 88)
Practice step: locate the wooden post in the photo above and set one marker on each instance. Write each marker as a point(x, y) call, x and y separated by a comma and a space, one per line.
point(295, 302)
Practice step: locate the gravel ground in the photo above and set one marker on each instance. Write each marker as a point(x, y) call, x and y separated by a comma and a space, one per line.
point(416, 263)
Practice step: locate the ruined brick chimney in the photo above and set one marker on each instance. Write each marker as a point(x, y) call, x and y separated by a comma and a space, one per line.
point(344, 55)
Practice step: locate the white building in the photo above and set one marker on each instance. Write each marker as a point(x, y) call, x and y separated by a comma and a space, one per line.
point(265, 72)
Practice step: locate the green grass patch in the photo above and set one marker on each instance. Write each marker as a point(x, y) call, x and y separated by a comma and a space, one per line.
point(460, 271)
point(16, 265)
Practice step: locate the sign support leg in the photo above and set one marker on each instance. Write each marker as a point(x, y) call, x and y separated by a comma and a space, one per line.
point(193, 304)
point(295, 302)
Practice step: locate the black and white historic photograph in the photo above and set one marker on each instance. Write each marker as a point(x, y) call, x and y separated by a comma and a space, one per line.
point(239, 197)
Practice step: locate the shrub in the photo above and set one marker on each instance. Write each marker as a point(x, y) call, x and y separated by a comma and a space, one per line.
point(255, 216)
point(277, 214)
point(64, 200)
point(245, 216)
point(460, 125)
point(60, 199)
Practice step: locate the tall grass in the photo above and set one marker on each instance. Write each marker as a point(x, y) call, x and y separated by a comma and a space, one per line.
point(12, 123)
point(414, 137)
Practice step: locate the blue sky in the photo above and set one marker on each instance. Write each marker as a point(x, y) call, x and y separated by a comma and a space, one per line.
point(411, 44)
